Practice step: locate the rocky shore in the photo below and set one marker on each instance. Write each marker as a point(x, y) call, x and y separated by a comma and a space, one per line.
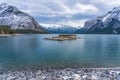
point(62, 74)
point(7, 35)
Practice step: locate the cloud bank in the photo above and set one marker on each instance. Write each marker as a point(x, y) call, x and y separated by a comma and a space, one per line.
point(69, 12)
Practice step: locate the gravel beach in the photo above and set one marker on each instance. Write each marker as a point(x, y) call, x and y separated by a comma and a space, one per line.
point(62, 74)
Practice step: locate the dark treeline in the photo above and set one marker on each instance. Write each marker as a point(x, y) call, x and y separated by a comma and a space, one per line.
point(6, 30)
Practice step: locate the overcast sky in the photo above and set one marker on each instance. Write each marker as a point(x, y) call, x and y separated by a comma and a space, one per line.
point(70, 12)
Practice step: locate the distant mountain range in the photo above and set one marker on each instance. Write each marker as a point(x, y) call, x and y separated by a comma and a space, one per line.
point(16, 19)
point(59, 28)
point(106, 24)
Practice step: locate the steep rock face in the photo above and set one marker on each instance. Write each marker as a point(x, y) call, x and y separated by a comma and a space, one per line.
point(58, 28)
point(108, 23)
point(15, 19)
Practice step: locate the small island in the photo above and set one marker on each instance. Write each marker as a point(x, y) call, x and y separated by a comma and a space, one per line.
point(63, 37)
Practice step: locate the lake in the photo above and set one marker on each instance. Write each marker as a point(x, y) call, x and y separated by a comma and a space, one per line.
point(87, 52)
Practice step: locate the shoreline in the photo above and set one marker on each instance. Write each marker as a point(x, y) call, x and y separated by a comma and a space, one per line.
point(63, 74)
point(7, 35)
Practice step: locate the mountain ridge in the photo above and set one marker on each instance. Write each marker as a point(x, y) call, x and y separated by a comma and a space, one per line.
point(105, 24)
point(16, 19)
point(60, 28)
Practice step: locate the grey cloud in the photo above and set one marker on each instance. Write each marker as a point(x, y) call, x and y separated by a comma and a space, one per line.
point(54, 11)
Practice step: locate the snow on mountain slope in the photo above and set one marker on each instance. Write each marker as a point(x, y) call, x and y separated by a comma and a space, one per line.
point(16, 19)
point(58, 28)
point(108, 23)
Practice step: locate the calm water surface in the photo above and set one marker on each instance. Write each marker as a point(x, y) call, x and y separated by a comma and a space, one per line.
point(88, 51)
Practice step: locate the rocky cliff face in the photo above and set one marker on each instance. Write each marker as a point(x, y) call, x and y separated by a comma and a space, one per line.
point(16, 19)
point(108, 23)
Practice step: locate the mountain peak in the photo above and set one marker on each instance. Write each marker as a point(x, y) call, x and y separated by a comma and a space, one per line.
point(14, 18)
point(115, 10)
point(105, 24)
point(8, 8)
point(4, 4)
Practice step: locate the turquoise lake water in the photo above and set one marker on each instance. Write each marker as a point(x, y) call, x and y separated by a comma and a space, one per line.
point(32, 50)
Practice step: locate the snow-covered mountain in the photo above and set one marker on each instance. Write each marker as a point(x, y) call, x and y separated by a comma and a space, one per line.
point(59, 28)
point(108, 23)
point(16, 19)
